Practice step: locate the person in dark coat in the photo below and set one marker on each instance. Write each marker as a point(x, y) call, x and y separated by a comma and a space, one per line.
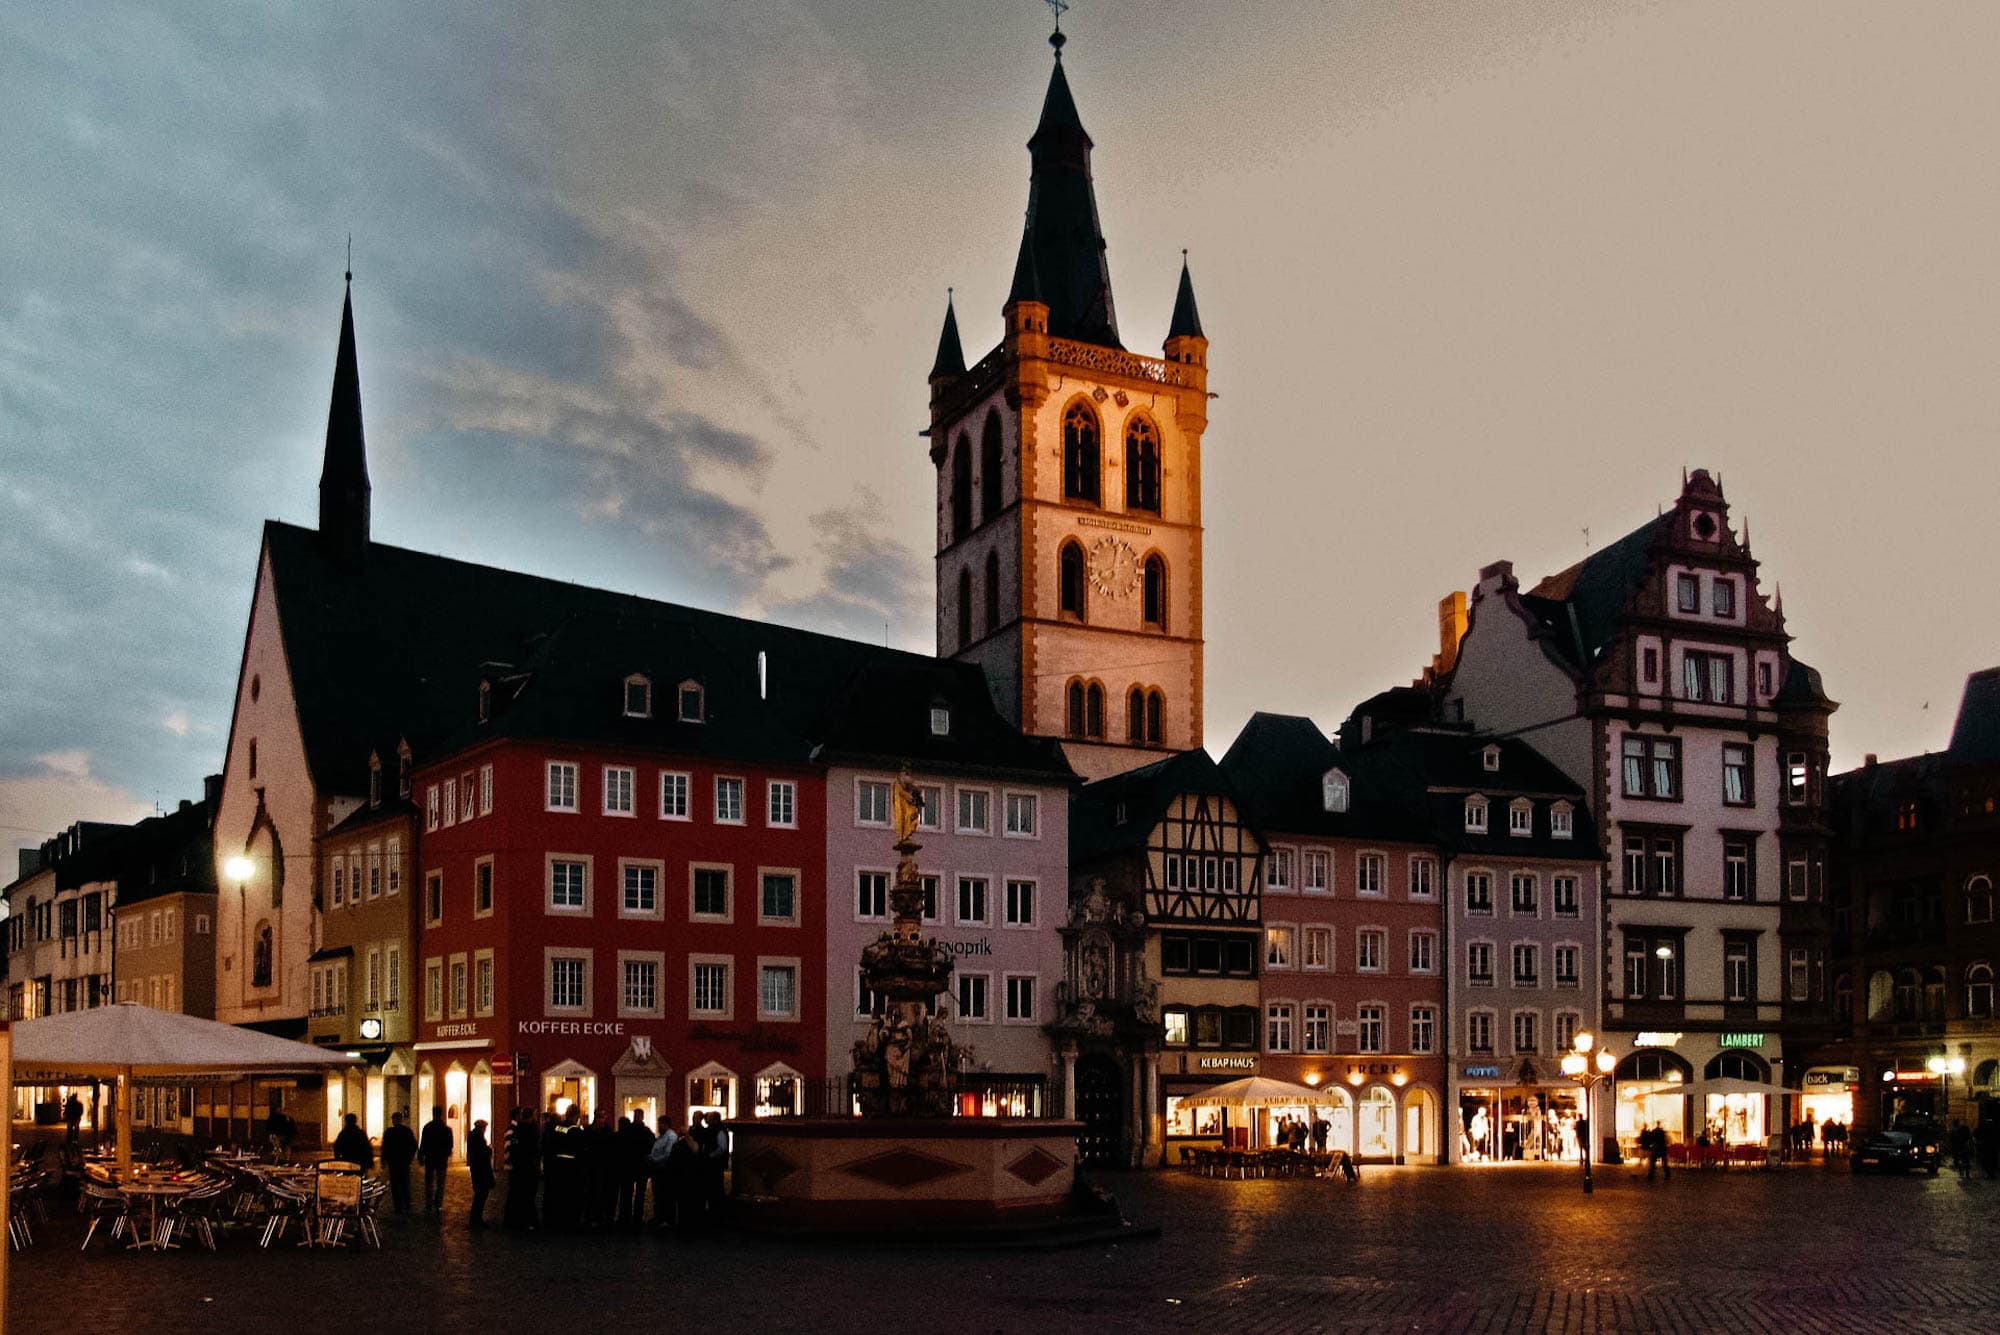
point(479, 1158)
point(635, 1139)
point(73, 1118)
point(603, 1164)
point(566, 1154)
point(684, 1175)
point(435, 1150)
point(658, 1160)
point(715, 1167)
point(399, 1148)
point(524, 1169)
point(351, 1145)
point(1987, 1138)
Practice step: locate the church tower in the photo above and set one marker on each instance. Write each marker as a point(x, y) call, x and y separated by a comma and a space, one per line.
point(344, 490)
point(1069, 487)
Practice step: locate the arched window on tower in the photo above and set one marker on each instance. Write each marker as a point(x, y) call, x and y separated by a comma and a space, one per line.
point(1073, 714)
point(992, 592)
point(1142, 466)
point(1153, 603)
point(1979, 991)
point(989, 468)
point(964, 608)
point(1156, 709)
point(961, 489)
point(1135, 715)
point(1082, 461)
point(1093, 710)
point(1069, 574)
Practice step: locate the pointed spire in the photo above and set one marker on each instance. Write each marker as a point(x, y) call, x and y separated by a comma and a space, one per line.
point(1027, 285)
point(343, 480)
point(951, 353)
point(1187, 319)
point(1070, 268)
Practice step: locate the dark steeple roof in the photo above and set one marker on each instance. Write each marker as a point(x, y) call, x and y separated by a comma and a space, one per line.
point(1187, 320)
point(343, 478)
point(1597, 589)
point(1976, 735)
point(1027, 285)
point(951, 353)
point(1075, 277)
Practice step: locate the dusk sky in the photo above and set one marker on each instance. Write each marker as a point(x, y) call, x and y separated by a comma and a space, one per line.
point(646, 293)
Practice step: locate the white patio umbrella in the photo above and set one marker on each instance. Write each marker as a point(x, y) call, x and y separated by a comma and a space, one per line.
point(1254, 1091)
point(128, 1041)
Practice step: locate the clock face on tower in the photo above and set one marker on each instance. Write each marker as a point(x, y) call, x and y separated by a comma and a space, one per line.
point(1114, 567)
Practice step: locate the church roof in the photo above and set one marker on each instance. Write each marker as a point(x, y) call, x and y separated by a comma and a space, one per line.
point(1976, 735)
point(343, 479)
point(1584, 602)
point(951, 353)
point(1187, 319)
point(1070, 264)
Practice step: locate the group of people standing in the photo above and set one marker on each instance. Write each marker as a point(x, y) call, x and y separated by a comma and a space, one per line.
point(569, 1174)
point(401, 1147)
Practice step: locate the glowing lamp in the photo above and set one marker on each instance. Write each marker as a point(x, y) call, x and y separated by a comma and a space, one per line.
point(1665, 952)
point(1573, 1064)
point(1605, 1061)
point(1584, 1041)
point(239, 869)
point(1312, 1079)
point(1355, 1077)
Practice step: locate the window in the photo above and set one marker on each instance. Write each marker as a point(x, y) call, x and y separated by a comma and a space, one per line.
point(1525, 1025)
point(1316, 948)
point(431, 807)
point(617, 790)
point(1564, 894)
point(1796, 771)
point(1142, 466)
point(1978, 899)
point(1479, 963)
point(468, 796)
point(460, 994)
point(1278, 947)
point(1524, 894)
point(778, 897)
point(710, 887)
point(1652, 767)
point(1318, 865)
point(1423, 877)
point(1153, 598)
point(1022, 809)
point(866, 1002)
point(673, 795)
point(871, 802)
point(1562, 821)
point(1722, 597)
point(1705, 677)
point(1423, 952)
point(569, 982)
point(1687, 593)
point(641, 890)
point(972, 814)
point(972, 998)
point(433, 989)
point(1073, 709)
point(568, 885)
point(1736, 982)
point(692, 702)
point(1069, 578)
point(1475, 814)
point(991, 592)
point(1368, 874)
point(561, 786)
point(1979, 991)
point(1567, 973)
point(1020, 999)
point(729, 801)
point(1567, 1023)
point(1649, 665)
point(781, 808)
point(1479, 1031)
point(449, 795)
point(932, 797)
point(1527, 964)
point(1736, 870)
point(777, 990)
point(972, 901)
point(1764, 681)
point(1652, 863)
point(1082, 468)
point(1797, 972)
point(374, 1001)
point(1317, 1032)
point(964, 607)
point(1652, 966)
point(930, 885)
point(1489, 759)
point(638, 697)
point(1736, 789)
point(339, 878)
point(1370, 946)
point(1174, 1026)
point(708, 986)
point(482, 887)
point(392, 968)
point(1020, 904)
point(434, 898)
point(374, 871)
point(961, 488)
point(1520, 818)
point(871, 897)
point(1479, 893)
point(1277, 870)
point(638, 985)
point(1278, 1027)
point(1423, 1030)
point(1371, 1029)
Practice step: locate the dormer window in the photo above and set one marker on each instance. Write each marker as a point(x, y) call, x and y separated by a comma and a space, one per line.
point(374, 778)
point(485, 701)
point(692, 703)
point(1562, 821)
point(1489, 759)
point(638, 697)
point(1333, 790)
point(1520, 818)
point(940, 721)
point(1475, 814)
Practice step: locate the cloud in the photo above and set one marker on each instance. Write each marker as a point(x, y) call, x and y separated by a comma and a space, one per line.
point(61, 791)
point(176, 722)
point(871, 584)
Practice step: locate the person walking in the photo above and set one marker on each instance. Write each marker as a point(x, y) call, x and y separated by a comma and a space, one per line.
point(435, 1150)
point(399, 1149)
point(351, 1145)
point(524, 1169)
point(479, 1158)
point(73, 1119)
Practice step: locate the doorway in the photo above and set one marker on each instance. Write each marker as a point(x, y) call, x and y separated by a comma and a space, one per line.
point(1100, 1106)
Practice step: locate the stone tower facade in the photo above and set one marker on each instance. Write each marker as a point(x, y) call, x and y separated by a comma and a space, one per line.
point(1069, 553)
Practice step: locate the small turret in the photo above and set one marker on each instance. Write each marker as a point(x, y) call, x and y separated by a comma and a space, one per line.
point(950, 363)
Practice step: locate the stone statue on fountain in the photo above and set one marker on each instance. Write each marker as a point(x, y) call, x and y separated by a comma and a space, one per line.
point(907, 1064)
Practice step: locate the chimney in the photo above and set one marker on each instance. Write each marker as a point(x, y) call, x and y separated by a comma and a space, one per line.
point(1869, 761)
point(31, 862)
point(1453, 621)
point(185, 804)
point(211, 789)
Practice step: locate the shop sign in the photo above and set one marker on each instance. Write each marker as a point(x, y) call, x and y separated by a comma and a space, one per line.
point(1225, 1063)
point(1657, 1038)
point(1741, 1040)
point(1370, 1068)
point(982, 946)
point(501, 1064)
point(1831, 1076)
point(1909, 1077)
point(457, 1031)
point(1345, 1027)
point(585, 1028)
point(1482, 1073)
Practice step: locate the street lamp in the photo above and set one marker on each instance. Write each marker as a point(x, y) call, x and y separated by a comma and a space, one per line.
point(239, 869)
point(1944, 1068)
point(1586, 1068)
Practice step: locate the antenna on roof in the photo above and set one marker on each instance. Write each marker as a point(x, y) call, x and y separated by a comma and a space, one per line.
point(350, 257)
point(1586, 537)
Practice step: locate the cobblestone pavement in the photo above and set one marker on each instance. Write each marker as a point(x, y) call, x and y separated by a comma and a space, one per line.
point(1503, 1249)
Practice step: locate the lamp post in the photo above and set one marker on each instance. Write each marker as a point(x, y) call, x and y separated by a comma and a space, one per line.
point(1586, 1068)
point(1944, 1068)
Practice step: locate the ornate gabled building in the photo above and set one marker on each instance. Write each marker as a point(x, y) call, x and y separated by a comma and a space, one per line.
point(1069, 554)
point(1656, 673)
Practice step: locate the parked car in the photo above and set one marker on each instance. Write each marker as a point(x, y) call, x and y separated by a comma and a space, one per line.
point(1897, 1152)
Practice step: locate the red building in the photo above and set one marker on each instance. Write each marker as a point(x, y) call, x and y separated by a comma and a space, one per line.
point(621, 893)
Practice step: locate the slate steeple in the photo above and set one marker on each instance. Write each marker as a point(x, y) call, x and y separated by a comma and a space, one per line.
point(343, 479)
point(951, 353)
point(1187, 320)
point(1063, 231)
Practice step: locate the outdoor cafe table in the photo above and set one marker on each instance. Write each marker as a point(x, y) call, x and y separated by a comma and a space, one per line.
point(151, 1192)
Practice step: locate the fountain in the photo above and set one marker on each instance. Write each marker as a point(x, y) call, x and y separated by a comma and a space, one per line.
point(903, 1164)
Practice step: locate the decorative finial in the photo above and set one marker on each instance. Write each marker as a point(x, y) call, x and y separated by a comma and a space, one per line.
point(1056, 38)
point(350, 257)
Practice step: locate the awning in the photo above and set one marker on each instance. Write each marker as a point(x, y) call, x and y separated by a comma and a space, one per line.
point(1730, 1085)
point(1254, 1091)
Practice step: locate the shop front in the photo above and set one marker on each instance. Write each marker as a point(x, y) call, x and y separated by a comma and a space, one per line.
point(1908, 1089)
point(1650, 1089)
point(1380, 1111)
point(1525, 1115)
point(1738, 1103)
point(1186, 1128)
point(1826, 1094)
